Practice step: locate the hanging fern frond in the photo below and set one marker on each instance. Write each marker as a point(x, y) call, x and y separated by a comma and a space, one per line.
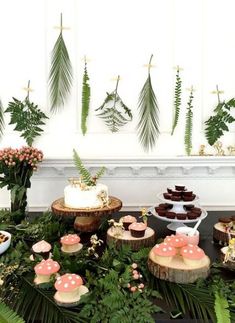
point(61, 75)
point(7, 315)
point(148, 125)
point(189, 125)
point(86, 92)
point(2, 122)
point(177, 100)
point(113, 111)
point(86, 176)
point(221, 309)
point(217, 124)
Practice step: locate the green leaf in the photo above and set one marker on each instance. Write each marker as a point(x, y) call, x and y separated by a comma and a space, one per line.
point(221, 309)
point(177, 101)
point(60, 76)
point(7, 315)
point(85, 99)
point(148, 125)
point(189, 125)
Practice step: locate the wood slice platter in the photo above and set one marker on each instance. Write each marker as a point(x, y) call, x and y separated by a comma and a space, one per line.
point(220, 235)
point(177, 271)
point(88, 219)
point(147, 240)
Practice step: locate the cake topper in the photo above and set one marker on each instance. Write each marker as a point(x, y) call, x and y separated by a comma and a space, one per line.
point(219, 148)
point(95, 242)
point(117, 228)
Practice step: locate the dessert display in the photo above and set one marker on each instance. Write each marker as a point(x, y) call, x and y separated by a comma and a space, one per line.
point(178, 207)
point(69, 288)
point(224, 230)
point(127, 220)
point(177, 261)
point(5, 241)
point(42, 248)
point(44, 270)
point(70, 243)
point(137, 229)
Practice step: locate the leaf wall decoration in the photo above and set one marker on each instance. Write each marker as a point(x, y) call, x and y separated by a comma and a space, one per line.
point(113, 111)
point(148, 125)
point(86, 92)
point(2, 122)
point(61, 74)
point(189, 125)
point(177, 100)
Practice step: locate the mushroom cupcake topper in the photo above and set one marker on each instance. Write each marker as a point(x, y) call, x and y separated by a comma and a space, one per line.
point(164, 253)
point(176, 241)
point(44, 270)
point(42, 248)
point(71, 243)
point(192, 255)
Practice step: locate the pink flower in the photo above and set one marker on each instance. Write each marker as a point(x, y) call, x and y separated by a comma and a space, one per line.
point(134, 265)
point(134, 272)
point(136, 276)
point(133, 289)
point(141, 286)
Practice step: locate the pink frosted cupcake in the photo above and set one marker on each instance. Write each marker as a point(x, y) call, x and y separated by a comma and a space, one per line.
point(137, 229)
point(164, 253)
point(176, 241)
point(127, 220)
point(192, 255)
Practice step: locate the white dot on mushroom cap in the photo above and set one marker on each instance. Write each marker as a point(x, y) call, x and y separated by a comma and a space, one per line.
point(55, 264)
point(157, 246)
point(40, 267)
point(72, 239)
point(164, 249)
point(185, 250)
point(59, 282)
point(73, 282)
point(177, 240)
point(190, 251)
point(77, 277)
point(49, 267)
point(66, 285)
point(70, 277)
point(198, 250)
point(170, 248)
point(58, 278)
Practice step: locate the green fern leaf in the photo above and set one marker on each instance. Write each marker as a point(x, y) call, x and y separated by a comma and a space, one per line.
point(148, 125)
point(2, 123)
point(7, 315)
point(60, 76)
point(113, 111)
point(85, 99)
point(177, 101)
point(222, 309)
point(189, 125)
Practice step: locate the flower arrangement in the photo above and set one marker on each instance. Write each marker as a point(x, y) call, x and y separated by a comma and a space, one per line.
point(17, 167)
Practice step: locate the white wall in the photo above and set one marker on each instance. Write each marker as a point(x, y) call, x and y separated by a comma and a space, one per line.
point(118, 37)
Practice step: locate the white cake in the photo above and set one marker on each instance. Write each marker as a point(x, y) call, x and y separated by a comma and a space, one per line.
point(77, 197)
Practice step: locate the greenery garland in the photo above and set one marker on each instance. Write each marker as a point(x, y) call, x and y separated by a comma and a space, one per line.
point(189, 124)
point(113, 111)
point(86, 92)
point(61, 73)
point(177, 99)
point(148, 125)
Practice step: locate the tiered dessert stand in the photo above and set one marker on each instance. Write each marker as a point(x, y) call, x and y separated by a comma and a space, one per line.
point(86, 220)
point(178, 207)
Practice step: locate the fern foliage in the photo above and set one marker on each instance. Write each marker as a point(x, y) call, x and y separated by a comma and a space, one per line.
point(113, 111)
point(189, 125)
point(221, 309)
point(87, 178)
point(148, 125)
point(27, 117)
point(2, 123)
point(7, 315)
point(86, 92)
point(217, 124)
point(61, 74)
point(177, 100)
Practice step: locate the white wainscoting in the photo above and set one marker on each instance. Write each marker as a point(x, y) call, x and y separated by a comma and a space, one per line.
point(138, 181)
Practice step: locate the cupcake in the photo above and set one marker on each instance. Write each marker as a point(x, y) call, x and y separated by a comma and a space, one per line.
point(163, 205)
point(137, 229)
point(170, 215)
point(42, 248)
point(181, 216)
point(188, 198)
point(192, 216)
point(189, 207)
point(70, 243)
point(226, 223)
point(176, 241)
point(196, 210)
point(176, 193)
point(167, 196)
point(69, 290)
point(187, 193)
point(164, 253)
point(192, 255)
point(169, 190)
point(179, 187)
point(161, 212)
point(176, 198)
point(127, 220)
point(44, 270)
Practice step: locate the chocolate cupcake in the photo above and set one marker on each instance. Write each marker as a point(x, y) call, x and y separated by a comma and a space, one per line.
point(169, 190)
point(137, 229)
point(167, 196)
point(225, 220)
point(159, 209)
point(176, 198)
point(176, 193)
point(181, 216)
point(196, 210)
point(163, 205)
point(187, 193)
point(127, 220)
point(192, 216)
point(188, 198)
point(161, 212)
point(170, 215)
point(169, 206)
point(179, 187)
point(188, 207)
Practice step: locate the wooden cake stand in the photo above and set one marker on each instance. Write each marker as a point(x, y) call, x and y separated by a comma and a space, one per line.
point(177, 271)
point(86, 220)
point(220, 235)
point(147, 240)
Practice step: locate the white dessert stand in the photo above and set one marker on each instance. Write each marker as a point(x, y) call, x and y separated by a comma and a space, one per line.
point(178, 207)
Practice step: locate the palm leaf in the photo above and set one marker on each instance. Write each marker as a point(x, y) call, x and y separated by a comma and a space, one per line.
point(7, 315)
point(221, 309)
point(148, 125)
point(2, 123)
point(177, 101)
point(189, 125)
point(85, 99)
point(60, 76)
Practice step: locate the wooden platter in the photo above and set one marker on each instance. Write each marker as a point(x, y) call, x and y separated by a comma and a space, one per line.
point(177, 271)
point(220, 235)
point(147, 240)
point(88, 219)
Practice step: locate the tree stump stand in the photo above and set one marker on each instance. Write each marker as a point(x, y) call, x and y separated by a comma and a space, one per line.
point(177, 271)
point(148, 240)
